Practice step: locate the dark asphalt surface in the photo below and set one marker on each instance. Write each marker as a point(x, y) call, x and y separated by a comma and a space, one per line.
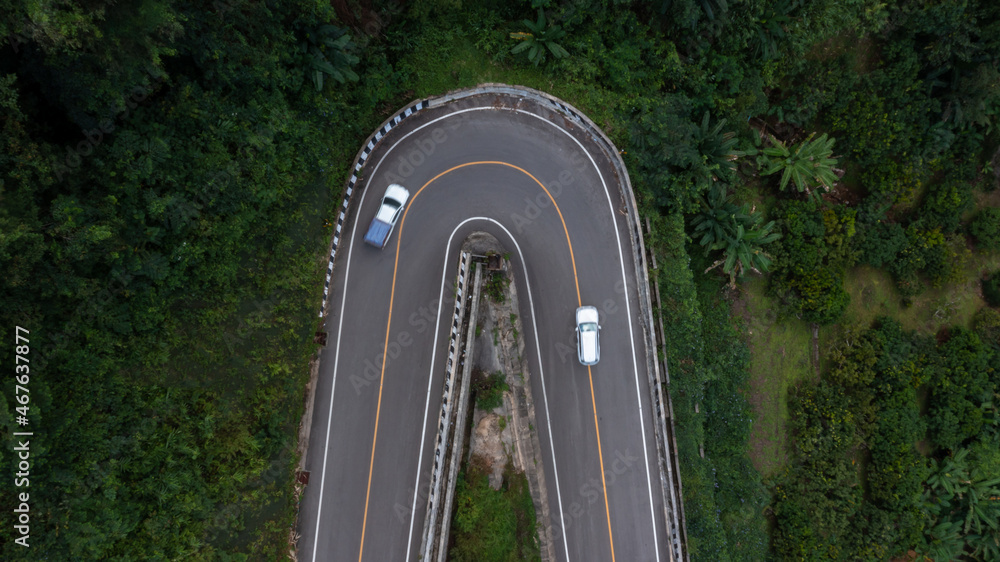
point(341, 454)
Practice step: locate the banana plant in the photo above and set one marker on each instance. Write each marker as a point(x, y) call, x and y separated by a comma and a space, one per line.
point(964, 512)
point(736, 231)
point(538, 39)
point(718, 148)
point(771, 29)
point(327, 51)
point(808, 164)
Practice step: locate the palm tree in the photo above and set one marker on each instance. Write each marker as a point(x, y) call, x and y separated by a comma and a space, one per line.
point(808, 165)
point(736, 230)
point(718, 148)
point(965, 514)
point(327, 51)
point(771, 28)
point(539, 39)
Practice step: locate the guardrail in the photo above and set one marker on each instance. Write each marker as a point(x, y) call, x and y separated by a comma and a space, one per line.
point(659, 387)
point(670, 478)
point(451, 422)
point(359, 162)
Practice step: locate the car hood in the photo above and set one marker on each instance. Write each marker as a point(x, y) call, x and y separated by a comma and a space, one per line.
point(586, 314)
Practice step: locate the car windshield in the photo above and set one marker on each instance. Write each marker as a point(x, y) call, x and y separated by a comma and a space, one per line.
point(588, 327)
point(389, 207)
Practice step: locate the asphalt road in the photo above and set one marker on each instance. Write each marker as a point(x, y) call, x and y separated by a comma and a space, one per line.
point(471, 166)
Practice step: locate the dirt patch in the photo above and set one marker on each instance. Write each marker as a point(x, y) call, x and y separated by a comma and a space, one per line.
point(489, 446)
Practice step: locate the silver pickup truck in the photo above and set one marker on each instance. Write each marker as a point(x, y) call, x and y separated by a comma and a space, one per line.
point(392, 206)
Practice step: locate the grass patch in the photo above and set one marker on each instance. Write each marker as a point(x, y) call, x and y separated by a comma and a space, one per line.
point(780, 359)
point(873, 294)
point(781, 347)
point(496, 286)
point(489, 390)
point(493, 525)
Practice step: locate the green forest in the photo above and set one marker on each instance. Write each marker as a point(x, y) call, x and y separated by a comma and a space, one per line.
point(821, 176)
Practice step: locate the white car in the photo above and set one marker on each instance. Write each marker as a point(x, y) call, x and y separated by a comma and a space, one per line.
point(588, 345)
point(392, 206)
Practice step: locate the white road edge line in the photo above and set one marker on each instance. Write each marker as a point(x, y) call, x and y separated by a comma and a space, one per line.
point(631, 337)
point(430, 379)
point(548, 422)
point(333, 387)
point(537, 346)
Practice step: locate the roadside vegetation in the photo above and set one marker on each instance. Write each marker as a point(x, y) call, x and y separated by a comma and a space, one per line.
point(492, 525)
point(822, 178)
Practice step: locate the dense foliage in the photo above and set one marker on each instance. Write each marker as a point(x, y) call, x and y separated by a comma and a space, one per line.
point(708, 364)
point(163, 186)
point(986, 228)
point(166, 167)
point(859, 487)
point(493, 525)
point(991, 289)
point(811, 258)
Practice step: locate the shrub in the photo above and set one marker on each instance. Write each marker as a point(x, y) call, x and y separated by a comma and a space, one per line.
point(960, 385)
point(823, 298)
point(944, 261)
point(986, 229)
point(945, 204)
point(986, 324)
point(927, 253)
point(894, 179)
point(879, 244)
point(810, 259)
point(991, 289)
point(489, 391)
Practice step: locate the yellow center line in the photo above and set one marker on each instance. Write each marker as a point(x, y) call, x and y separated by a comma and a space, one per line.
point(378, 408)
point(385, 348)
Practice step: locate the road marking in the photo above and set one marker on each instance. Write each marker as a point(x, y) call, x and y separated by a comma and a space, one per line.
point(378, 408)
point(628, 312)
point(333, 387)
point(541, 372)
point(538, 351)
point(385, 350)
